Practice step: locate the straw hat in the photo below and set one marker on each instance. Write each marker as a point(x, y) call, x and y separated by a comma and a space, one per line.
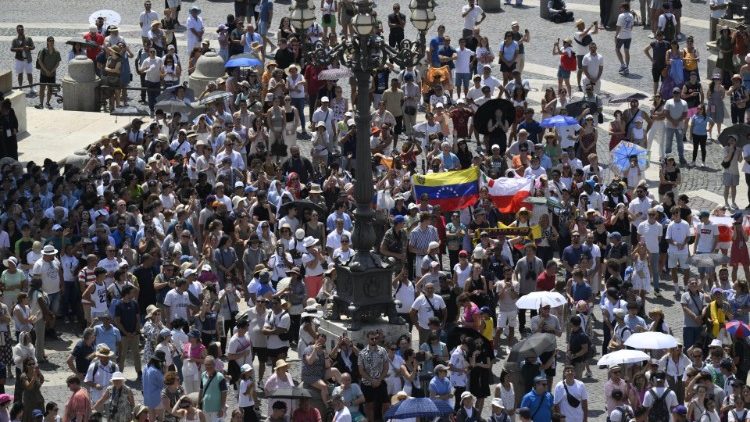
point(117, 376)
point(151, 310)
point(399, 397)
point(281, 363)
point(102, 351)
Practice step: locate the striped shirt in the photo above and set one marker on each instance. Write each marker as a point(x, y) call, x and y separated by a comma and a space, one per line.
point(420, 239)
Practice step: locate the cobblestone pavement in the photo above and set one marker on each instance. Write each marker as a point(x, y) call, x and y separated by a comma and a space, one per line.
point(67, 19)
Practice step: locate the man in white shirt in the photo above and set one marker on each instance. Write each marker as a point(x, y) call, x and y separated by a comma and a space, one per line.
point(623, 36)
point(706, 238)
point(342, 412)
point(650, 232)
point(473, 15)
point(427, 305)
point(463, 65)
point(678, 231)
point(145, 20)
point(593, 68)
point(177, 301)
point(475, 92)
point(151, 67)
point(674, 126)
point(240, 346)
point(195, 28)
point(276, 326)
point(569, 386)
point(659, 390)
point(489, 80)
point(638, 210)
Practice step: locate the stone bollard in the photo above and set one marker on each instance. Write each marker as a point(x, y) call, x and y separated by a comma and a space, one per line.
point(209, 67)
point(490, 5)
point(544, 10)
point(80, 86)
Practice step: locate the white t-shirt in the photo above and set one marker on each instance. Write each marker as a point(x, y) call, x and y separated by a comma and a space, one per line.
point(592, 63)
point(311, 271)
point(457, 360)
point(50, 272)
point(424, 310)
point(343, 415)
point(678, 232)
point(463, 60)
point(239, 344)
point(625, 22)
point(663, 21)
point(746, 156)
point(670, 398)
point(706, 238)
point(404, 293)
point(675, 109)
point(566, 133)
point(651, 234)
point(281, 320)
point(471, 18)
point(244, 399)
point(638, 205)
point(581, 50)
point(178, 304)
point(493, 83)
point(196, 24)
point(577, 390)
point(145, 21)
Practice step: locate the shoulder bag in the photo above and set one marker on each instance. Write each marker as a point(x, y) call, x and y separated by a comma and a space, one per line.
point(572, 401)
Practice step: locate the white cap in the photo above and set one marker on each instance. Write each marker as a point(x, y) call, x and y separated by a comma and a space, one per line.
point(325, 100)
point(439, 105)
point(239, 184)
point(351, 122)
point(433, 244)
point(299, 234)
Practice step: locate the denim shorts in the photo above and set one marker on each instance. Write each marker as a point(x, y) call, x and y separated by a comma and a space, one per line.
point(463, 79)
point(562, 73)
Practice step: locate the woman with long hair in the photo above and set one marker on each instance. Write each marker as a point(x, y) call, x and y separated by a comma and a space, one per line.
point(715, 94)
point(617, 130)
point(587, 139)
point(31, 382)
point(549, 108)
point(699, 126)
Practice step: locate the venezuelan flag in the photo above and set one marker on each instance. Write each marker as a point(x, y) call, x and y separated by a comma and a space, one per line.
point(453, 190)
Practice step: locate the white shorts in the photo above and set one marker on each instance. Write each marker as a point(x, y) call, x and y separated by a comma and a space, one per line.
point(678, 260)
point(724, 245)
point(507, 319)
point(22, 66)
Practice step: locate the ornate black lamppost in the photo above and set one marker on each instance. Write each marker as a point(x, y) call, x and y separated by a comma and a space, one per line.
point(364, 285)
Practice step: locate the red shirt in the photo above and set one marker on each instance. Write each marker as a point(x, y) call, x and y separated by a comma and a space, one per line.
point(460, 118)
point(98, 38)
point(545, 282)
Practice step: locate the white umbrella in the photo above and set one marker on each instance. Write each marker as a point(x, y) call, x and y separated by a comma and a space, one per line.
point(651, 340)
point(535, 300)
point(621, 357)
point(110, 17)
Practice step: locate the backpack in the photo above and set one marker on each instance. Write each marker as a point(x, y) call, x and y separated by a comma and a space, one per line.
point(659, 411)
point(669, 28)
point(625, 414)
point(585, 40)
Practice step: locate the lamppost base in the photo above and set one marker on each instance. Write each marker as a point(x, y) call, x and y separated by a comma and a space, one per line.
point(336, 329)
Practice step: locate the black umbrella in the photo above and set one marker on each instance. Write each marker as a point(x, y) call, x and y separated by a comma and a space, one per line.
point(534, 345)
point(301, 205)
point(739, 131)
point(486, 111)
point(576, 108)
point(625, 98)
point(83, 43)
point(290, 393)
point(457, 334)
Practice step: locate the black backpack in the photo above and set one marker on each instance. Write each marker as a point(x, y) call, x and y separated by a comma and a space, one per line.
point(659, 410)
point(625, 414)
point(669, 27)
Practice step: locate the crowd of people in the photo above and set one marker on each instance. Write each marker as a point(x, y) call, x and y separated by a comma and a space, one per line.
point(202, 248)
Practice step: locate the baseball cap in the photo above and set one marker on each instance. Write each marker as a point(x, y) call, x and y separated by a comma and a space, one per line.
point(399, 219)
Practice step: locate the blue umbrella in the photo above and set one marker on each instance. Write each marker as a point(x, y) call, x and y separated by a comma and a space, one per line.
point(624, 150)
point(559, 120)
point(243, 62)
point(415, 408)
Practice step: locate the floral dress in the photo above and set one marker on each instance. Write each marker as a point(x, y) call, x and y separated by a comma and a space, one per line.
point(150, 332)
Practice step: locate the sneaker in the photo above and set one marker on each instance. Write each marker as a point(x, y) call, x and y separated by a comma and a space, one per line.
point(683, 162)
point(657, 293)
point(39, 106)
point(734, 205)
point(625, 71)
point(588, 373)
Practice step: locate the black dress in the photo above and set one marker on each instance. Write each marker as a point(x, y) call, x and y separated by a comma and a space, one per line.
point(480, 378)
point(8, 138)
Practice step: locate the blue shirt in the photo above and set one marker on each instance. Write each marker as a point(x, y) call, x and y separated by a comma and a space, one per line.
point(508, 51)
point(331, 221)
point(572, 256)
point(540, 406)
point(435, 45)
point(111, 337)
point(533, 128)
point(153, 383)
point(440, 386)
point(700, 124)
point(450, 161)
point(581, 291)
